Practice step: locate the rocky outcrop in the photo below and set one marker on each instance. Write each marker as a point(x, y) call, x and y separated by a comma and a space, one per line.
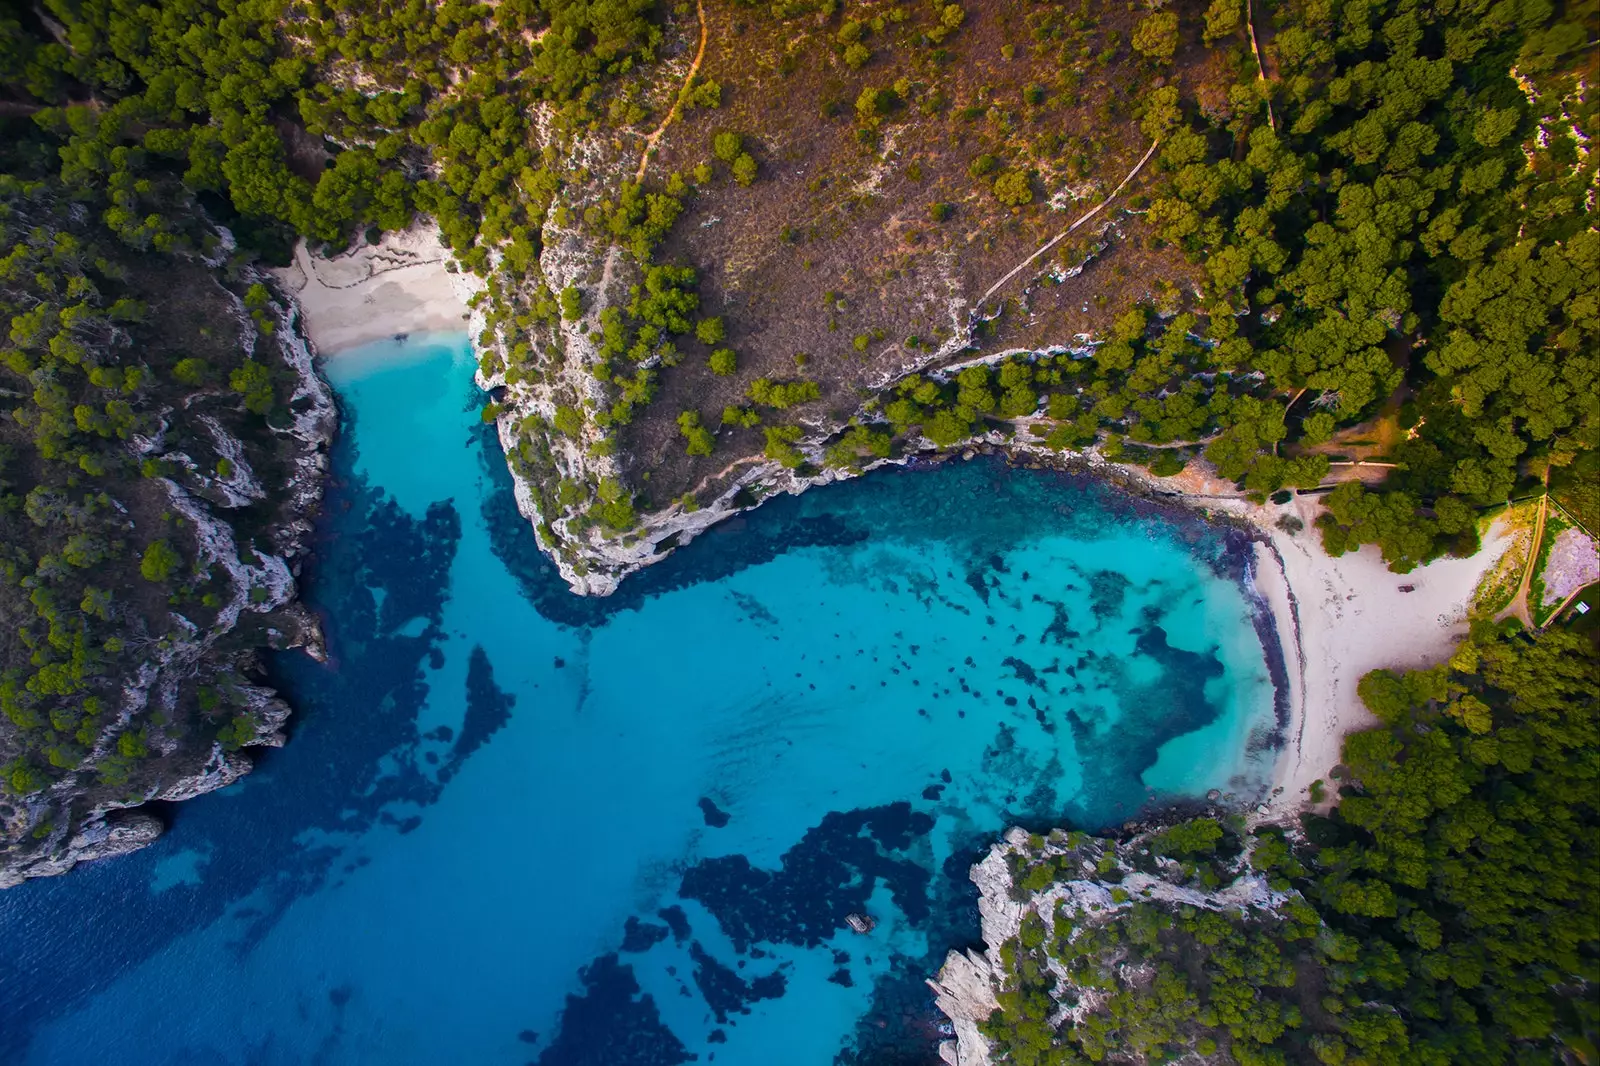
point(82, 816)
point(1094, 880)
point(965, 993)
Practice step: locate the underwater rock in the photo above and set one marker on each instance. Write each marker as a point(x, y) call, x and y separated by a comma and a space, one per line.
point(861, 923)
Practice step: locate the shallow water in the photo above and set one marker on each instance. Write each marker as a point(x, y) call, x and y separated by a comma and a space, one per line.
point(629, 831)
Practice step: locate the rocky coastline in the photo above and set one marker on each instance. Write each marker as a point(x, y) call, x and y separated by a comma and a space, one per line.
point(967, 986)
point(79, 819)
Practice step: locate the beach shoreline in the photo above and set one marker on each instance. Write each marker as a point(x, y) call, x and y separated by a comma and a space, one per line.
point(400, 285)
point(1335, 620)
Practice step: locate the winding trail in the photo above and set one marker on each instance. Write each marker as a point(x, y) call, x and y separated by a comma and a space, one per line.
point(1064, 233)
point(677, 103)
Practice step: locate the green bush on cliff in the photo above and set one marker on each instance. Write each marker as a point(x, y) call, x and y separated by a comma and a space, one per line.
point(159, 561)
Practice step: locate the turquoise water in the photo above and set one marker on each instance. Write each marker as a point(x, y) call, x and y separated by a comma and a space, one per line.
point(515, 826)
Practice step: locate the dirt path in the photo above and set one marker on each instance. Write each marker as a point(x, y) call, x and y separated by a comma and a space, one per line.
point(677, 103)
point(1518, 608)
point(1064, 233)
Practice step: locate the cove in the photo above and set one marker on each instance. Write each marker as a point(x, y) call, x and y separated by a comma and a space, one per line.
point(513, 826)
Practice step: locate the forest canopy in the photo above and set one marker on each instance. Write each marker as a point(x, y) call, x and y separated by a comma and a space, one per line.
point(1446, 911)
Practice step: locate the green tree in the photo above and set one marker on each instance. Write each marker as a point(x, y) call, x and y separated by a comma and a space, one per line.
point(697, 438)
point(1012, 188)
point(159, 561)
point(727, 146)
point(254, 382)
point(710, 330)
point(1156, 36)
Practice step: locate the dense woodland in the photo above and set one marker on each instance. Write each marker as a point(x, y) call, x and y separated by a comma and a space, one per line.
point(1398, 223)
point(1446, 911)
point(1409, 227)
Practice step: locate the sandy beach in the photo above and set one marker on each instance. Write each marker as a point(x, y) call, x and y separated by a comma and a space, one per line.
point(1338, 619)
point(399, 285)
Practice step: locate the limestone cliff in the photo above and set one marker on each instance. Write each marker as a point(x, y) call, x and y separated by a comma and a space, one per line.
point(1069, 878)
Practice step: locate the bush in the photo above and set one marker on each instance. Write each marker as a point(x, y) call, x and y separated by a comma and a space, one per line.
point(697, 438)
point(743, 417)
point(984, 164)
point(254, 382)
point(744, 169)
point(710, 330)
point(726, 146)
point(160, 560)
point(706, 93)
point(856, 55)
point(569, 421)
point(191, 371)
point(1156, 36)
point(780, 446)
point(946, 428)
point(1012, 188)
point(783, 394)
point(723, 362)
point(940, 212)
point(1168, 464)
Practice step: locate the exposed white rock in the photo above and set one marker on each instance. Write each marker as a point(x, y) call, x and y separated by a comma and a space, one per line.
point(968, 984)
point(263, 584)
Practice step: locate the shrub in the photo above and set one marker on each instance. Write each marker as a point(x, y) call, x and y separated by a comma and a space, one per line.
point(706, 93)
point(723, 362)
point(1012, 188)
point(697, 438)
point(780, 446)
point(160, 560)
point(569, 421)
point(726, 146)
point(710, 330)
point(743, 417)
point(984, 164)
point(1156, 36)
point(1168, 464)
point(744, 169)
point(947, 428)
point(872, 103)
point(856, 55)
point(254, 382)
point(1223, 18)
point(940, 212)
point(191, 371)
point(783, 394)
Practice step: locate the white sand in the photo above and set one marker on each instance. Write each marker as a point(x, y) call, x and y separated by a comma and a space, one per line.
point(1352, 618)
point(399, 285)
point(1337, 619)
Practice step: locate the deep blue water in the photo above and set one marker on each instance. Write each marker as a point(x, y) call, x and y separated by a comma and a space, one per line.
point(513, 826)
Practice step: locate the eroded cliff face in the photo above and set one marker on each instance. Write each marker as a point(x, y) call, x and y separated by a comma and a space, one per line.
point(1087, 882)
point(241, 492)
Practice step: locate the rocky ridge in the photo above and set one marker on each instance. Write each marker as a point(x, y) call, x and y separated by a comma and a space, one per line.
point(78, 818)
point(966, 987)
